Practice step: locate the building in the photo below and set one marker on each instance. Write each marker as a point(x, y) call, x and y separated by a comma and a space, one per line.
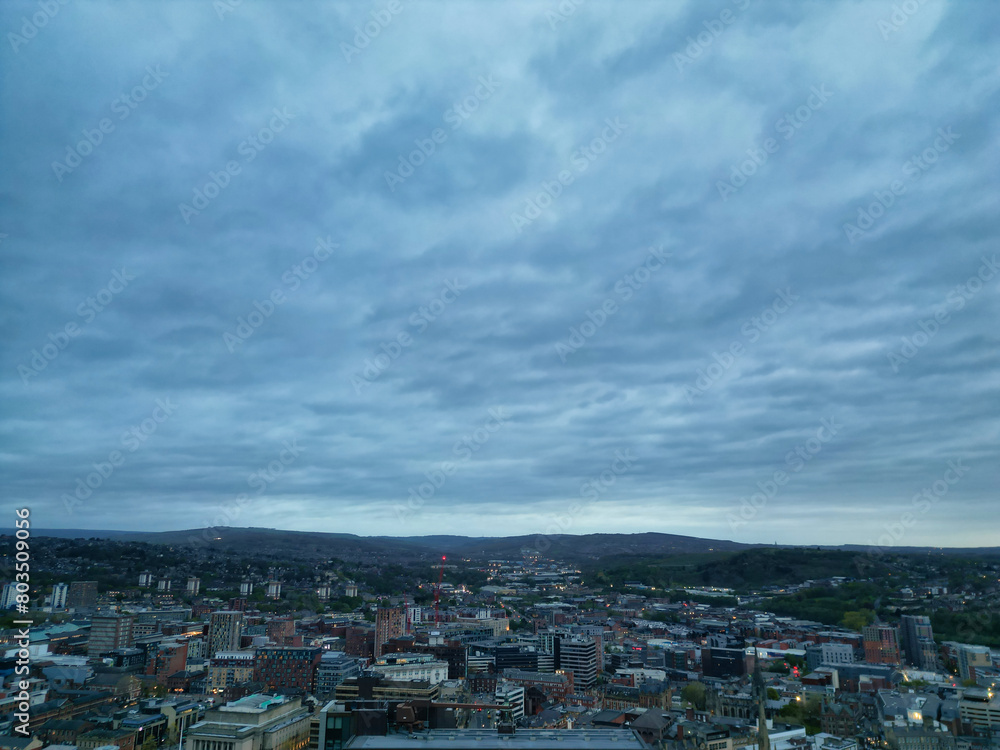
point(59, 593)
point(224, 628)
point(579, 656)
point(229, 668)
point(971, 658)
point(164, 585)
point(193, 586)
point(8, 599)
point(287, 667)
point(390, 623)
point(918, 642)
point(145, 579)
point(556, 686)
point(334, 667)
point(246, 588)
point(513, 696)
point(274, 589)
point(109, 633)
point(256, 722)
point(829, 654)
point(981, 708)
point(334, 727)
point(411, 667)
point(169, 657)
point(881, 644)
point(381, 689)
point(82, 595)
point(490, 739)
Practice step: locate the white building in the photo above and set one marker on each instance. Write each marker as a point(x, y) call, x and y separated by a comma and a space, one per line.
point(411, 667)
point(59, 592)
point(512, 695)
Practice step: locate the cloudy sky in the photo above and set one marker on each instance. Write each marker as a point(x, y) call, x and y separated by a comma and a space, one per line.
point(725, 268)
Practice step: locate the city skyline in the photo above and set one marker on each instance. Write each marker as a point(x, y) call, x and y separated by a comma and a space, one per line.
point(728, 272)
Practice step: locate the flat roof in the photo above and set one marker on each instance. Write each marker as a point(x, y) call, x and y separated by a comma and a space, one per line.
point(489, 739)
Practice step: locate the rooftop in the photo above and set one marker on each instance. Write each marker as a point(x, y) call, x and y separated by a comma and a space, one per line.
point(489, 739)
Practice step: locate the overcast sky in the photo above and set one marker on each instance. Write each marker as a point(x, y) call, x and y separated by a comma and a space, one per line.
point(587, 266)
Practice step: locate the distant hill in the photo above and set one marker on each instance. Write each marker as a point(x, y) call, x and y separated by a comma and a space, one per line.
point(318, 545)
point(325, 545)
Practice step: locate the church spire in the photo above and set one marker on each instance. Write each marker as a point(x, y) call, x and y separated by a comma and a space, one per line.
point(760, 694)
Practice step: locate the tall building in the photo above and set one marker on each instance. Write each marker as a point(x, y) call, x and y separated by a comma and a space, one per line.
point(918, 641)
point(193, 586)
point(145, 579)
point(280, 668)
point(579, 656)
point(9, 597)
point(389, 623)
point(109, 632)
point(59, 593)
point(971, 658)
point(224, 629)
point(246, 588)
point(82, 595)
point(881, 643)
point(166, 659)
point(274, 590)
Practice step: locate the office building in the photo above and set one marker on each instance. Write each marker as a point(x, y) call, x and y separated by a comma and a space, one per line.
point(881, 644)
point(82, 595)
point(287, 667)
point(109, 633)
point(256, 722)
point(334, 667)
point(389, 623)
point(512, 695)
point(224, 628)
point(579, 656)
point(918, 642)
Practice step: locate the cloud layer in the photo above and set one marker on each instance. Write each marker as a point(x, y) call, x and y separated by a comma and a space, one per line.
point(425, 267)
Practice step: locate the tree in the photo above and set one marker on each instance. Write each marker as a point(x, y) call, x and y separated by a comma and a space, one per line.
point(694, 693)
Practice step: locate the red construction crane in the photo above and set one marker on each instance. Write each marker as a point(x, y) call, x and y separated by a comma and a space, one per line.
point(437, 592)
